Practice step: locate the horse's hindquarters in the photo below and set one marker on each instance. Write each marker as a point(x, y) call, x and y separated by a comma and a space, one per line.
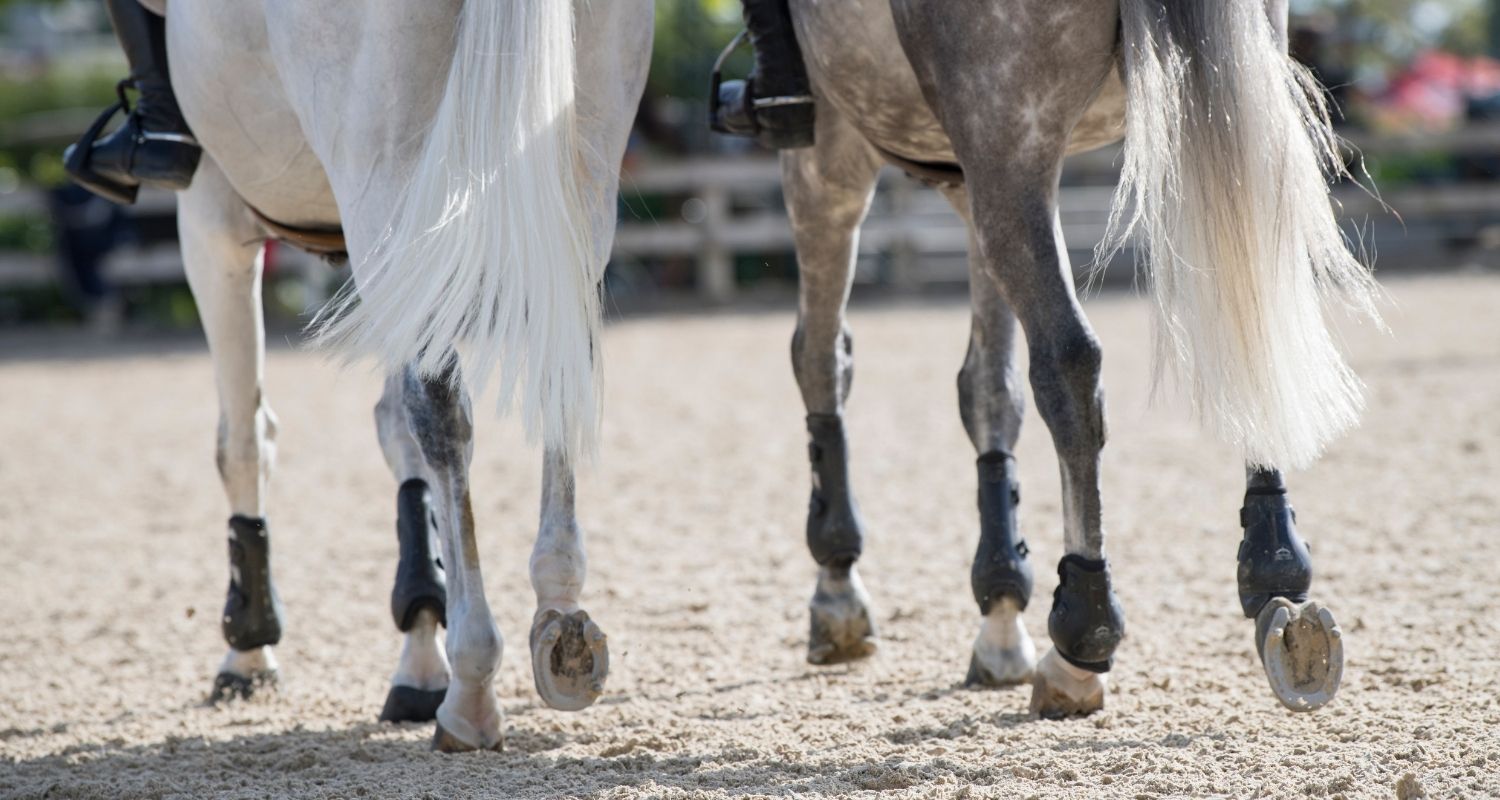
point(856, 57)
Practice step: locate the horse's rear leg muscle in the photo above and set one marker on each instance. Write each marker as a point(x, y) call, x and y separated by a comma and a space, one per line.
point(991, 403)
point(419, 597)
point(828, 189)
point(569, 652)
point(1010, 135)
point(438, 412)
point(221, 251)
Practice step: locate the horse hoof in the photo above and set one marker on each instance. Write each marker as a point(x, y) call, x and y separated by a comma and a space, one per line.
point(1010, 668)
point(569, 659)
point(840, 629)
point(230, 686)
point(1302, 650)
point(1060, 690)
point(445, 742)
point(409, 704)
point(836, 638)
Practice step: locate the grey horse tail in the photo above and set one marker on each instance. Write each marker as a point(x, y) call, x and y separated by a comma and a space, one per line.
point(1228, 144)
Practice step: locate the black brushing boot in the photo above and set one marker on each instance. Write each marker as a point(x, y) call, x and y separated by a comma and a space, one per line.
point(154, 147)
point(775, 105)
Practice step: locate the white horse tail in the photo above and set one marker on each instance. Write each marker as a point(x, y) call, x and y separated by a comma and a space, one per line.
point(490, 249)
point(1227, 147)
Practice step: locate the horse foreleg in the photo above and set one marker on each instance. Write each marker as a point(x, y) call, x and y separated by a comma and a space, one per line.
point(992, 403)
point(438, 413)
point(221, 251)
point(569, 653)
point(828, 189)
point(419, 596)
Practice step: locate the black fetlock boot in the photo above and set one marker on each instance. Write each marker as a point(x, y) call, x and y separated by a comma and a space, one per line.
point(154, 147)
point(775, 105)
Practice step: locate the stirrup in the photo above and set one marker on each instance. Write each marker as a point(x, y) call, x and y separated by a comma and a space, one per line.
point(717, 81)
point(76, 157)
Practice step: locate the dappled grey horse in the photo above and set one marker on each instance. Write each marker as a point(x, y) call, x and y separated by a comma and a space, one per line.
point(466, 154)
point(1226, 147)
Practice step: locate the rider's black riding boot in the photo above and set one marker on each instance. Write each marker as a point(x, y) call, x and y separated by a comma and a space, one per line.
point(775, 106)
point(154, 146)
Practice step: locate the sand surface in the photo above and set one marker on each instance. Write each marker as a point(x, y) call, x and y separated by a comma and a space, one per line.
point(112, 545)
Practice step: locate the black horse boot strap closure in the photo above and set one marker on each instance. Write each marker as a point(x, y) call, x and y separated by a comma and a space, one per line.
point(1086, 623)
point(1001, 568)
point(834, 532)
point(1273, 560)
point(252, 609)
point(420, 581)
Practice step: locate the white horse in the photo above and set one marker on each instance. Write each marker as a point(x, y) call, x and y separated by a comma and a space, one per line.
point(468, 152)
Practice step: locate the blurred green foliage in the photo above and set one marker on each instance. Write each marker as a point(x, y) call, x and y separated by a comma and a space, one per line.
point(30, 232)
point(1381, 34)
point(689, 36)
point(58, 87)
point(35, 118)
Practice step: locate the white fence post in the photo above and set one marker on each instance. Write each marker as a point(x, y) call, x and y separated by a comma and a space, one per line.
point(716, 262)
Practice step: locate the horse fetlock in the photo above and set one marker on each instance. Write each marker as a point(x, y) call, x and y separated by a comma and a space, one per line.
point(1273, 560)
point(834, 532)
point(252, 610)
point(1001, 569)
point(1003, 653)
point(558, 566)
point(423, 663)
point(841, 625)
point(475, 647)
point(1086, 623)
point(420, 582)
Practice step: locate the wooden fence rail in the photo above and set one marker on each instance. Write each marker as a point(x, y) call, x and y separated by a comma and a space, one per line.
point(731, 207)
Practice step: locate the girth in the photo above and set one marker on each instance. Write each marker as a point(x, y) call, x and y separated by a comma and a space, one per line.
point(932, 173)
point(327, 243)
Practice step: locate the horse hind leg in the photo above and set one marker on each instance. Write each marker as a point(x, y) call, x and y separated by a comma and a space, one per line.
point(991, 403)
point(569, 652)
point(438, 412)
point(419, 596)
point(1299, 643)
point(828, 189)
point(222, 256)
point(1011, 141)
